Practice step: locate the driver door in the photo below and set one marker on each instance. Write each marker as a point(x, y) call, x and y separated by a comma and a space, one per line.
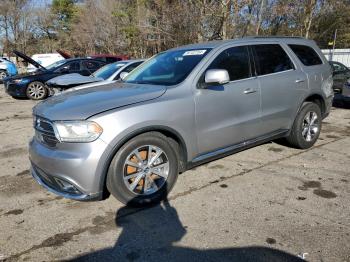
point(228, 114)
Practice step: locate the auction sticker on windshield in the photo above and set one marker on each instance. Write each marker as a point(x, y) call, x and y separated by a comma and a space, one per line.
point(194, 52)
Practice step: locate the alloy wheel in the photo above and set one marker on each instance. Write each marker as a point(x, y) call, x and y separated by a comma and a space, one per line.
point(2, 75)
point(146, 170)
point(36, 91)
point(310, 126)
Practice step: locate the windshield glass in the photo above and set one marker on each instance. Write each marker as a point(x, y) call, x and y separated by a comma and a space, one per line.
point(56, 64)
point(108, 70)
point(168, 68)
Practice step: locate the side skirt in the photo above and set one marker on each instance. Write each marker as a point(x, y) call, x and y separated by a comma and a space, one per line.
point(222, 152)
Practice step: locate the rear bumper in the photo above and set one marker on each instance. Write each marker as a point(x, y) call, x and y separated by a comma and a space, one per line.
point(328, 106)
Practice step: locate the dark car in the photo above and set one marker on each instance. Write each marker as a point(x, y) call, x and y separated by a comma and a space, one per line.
point(341, 74)
point(32, 85)
point(108, 58)
point(109, 72)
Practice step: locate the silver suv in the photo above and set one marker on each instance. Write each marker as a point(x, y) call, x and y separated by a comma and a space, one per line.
point(180, 108)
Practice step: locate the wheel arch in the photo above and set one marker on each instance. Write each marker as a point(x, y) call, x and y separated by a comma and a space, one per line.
point(167, 131)
point(317, 99)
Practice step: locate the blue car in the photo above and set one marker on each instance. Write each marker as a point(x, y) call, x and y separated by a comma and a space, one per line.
point(7, 68)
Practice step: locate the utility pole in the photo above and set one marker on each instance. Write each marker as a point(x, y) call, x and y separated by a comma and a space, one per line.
point(334, 39)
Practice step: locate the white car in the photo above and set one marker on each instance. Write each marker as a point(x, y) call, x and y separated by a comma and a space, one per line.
point(108, 73)
point(44, 60)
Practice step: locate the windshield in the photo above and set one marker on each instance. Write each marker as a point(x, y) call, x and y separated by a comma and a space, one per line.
point(56, 64)
point(168, 68)
point(108, 70)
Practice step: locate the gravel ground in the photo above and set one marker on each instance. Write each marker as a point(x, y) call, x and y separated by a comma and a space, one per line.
point(268, 203)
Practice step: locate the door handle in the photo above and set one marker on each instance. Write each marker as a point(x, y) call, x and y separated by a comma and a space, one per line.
point(249, 91)
point(299, 80)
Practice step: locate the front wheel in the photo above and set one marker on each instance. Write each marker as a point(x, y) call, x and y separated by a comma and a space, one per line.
point(3, 74)
point(36, 91)
point(307, 126)
point(143, 171)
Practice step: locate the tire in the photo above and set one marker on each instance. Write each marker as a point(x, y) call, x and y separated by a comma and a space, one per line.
point(151, 188)
point(3, 74)
point(306, 129)
point(36, 91)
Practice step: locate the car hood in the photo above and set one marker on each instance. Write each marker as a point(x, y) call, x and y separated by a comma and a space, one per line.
point(72, 79)
point(28, 59)
point(84, 103)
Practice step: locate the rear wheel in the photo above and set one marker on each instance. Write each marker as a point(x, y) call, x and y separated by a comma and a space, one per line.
point(307, 126)
point(36, 91)
point(143, 171)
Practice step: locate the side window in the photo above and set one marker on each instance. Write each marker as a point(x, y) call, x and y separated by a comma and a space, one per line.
point(235, 60)
point(336, 67)
point(91, 65)
point(71, 67)
point(131, 67)
point(271, 58)
point(306, 55)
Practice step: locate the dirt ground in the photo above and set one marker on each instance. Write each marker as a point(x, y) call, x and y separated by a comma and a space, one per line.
point(269, 203)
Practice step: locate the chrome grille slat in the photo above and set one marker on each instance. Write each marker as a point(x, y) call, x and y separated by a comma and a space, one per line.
point(46, 132)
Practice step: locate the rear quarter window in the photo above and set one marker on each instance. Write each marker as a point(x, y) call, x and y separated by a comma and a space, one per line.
point(307, 55)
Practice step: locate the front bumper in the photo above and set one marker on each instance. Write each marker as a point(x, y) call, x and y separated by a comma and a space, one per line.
point(70, 170)
point(15, 90)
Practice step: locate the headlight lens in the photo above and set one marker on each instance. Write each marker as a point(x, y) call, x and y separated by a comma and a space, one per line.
point(20, 80)
point(77, 131)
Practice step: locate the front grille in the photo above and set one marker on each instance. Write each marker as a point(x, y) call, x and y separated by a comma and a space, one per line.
point(45, 131)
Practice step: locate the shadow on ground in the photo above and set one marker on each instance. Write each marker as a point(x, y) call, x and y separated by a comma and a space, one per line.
point(151, 235)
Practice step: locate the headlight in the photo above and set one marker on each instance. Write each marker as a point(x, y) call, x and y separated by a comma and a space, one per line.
point(77, 131)
point(20, 80)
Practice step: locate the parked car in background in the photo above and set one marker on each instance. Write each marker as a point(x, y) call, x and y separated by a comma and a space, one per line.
point(341, 74)
point(344, 96)
point(109, 58)
point(181, 108)
point(31, 85)
point(109, 72)
point(7, 68)
point(44, 60)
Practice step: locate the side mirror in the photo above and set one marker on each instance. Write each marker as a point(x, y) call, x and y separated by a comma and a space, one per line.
point(216, 77)
point(123, 75)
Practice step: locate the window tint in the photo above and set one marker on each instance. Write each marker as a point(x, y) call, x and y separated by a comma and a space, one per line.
point(235, 60)
point(271, 58)
point(306, 54)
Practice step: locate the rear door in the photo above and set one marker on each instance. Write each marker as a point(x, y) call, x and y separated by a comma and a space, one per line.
point(228, 114)
point(282, 84)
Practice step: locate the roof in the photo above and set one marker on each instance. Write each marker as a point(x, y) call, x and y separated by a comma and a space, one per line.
point(249, 39)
